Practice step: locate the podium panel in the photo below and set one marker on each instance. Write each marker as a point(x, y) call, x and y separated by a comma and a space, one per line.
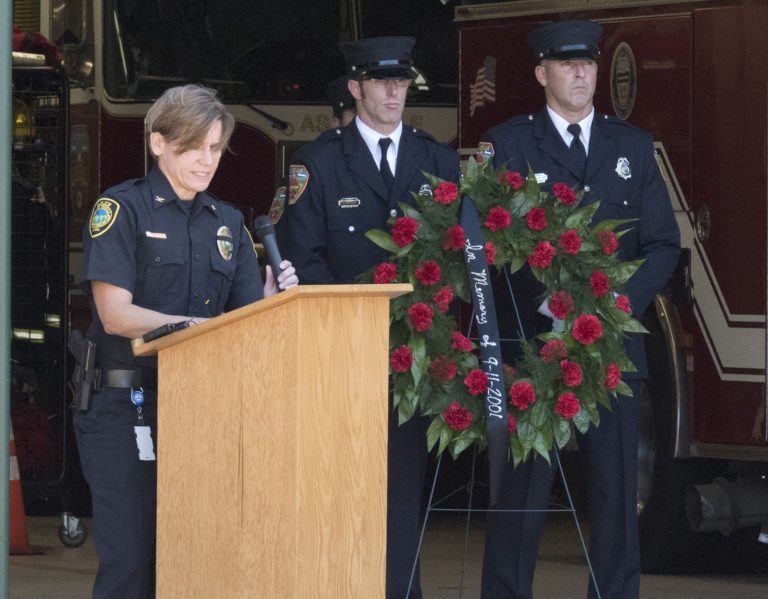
point(272, 448)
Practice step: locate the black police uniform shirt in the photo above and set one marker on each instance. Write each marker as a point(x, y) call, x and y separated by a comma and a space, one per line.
point(192, 258)
point(621, 173)
point(342, 195)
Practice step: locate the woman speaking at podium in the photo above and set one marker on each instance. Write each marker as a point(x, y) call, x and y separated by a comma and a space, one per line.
point(157, 250)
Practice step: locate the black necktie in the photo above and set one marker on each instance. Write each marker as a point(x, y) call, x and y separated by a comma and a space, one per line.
point(386, 172)
point(578, 152)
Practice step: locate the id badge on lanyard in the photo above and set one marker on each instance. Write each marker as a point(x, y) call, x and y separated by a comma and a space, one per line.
point(143, 433)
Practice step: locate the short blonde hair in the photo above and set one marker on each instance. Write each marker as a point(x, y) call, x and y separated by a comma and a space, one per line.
point(184, 114)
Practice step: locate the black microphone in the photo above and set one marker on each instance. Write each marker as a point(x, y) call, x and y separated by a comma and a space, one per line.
point(265, 233)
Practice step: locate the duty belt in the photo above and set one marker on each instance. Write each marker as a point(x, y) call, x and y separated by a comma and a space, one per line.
point(128, 379)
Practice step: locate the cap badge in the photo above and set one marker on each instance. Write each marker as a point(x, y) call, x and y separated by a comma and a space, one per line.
point(224, 243)
point(298, 178)
point(278, 205)
point(103, 216)
point(622, 168)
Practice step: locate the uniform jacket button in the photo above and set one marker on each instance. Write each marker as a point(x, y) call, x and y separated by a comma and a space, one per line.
point(351, 229)
point(586, 188)
point(393, 212)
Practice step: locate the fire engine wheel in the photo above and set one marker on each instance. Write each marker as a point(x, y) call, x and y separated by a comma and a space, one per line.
point(667, 544)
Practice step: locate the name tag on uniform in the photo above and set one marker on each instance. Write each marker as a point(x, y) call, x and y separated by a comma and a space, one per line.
point(156, 235)
point(349, 203)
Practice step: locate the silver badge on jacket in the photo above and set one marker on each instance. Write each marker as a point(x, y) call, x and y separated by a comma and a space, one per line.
point(224, 243)
point(622, 168)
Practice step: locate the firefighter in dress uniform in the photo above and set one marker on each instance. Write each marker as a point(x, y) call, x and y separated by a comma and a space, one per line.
point(157, 250)
point(613, 162)
point(342, 189)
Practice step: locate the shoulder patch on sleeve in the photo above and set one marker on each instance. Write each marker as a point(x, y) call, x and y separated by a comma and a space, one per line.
point(485, 152)
point(103, 216)
point(278, 205)
point(298, 178)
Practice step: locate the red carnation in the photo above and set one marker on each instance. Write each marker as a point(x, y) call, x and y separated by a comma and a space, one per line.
point(401, 359)
point(536, 219)
point(612, 376)
point(567, 405)
point(458, 418)
point(476, 381)
point(552, 350)
point(622, 303)
point(442, 369)
point(421, 316)
point(454, 238)
point(571, 373)
point(560, 304)
point(446, 192)
point(587, 329)
point(498, 218)
point(490, 252)
point(521, 394)
point(609, 241)
point(459, 341)
point(564, 193)
point(511, 423)
point(509, 371)
point(404, 231)
point(513, 179)
point(570, 242)
point(543, 254)
point(600, 284)
point(443, 299)
point(428, 273)
point(386, 272)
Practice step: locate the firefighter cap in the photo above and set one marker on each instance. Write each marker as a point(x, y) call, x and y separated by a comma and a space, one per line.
point(339, 96)
point(379, 57)
point(566, 39)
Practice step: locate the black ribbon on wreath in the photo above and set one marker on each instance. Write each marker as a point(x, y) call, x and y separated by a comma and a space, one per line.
point(489, 342)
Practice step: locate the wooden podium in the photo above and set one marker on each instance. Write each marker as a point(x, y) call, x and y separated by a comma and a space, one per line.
point(272, 448)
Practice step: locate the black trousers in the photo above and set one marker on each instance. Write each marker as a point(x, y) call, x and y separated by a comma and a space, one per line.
point(406, 468)
point(609, 455)
point(123, 493)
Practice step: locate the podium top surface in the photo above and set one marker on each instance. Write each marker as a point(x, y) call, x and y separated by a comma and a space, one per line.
point(140, 348)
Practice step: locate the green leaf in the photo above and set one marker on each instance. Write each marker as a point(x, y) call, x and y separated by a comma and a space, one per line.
point(434, 431)
point(562, 432)
point(633, 326)
point(382, 239)
point(582, 217)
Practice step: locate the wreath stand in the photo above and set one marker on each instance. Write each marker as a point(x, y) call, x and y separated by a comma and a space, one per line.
point(434, 505)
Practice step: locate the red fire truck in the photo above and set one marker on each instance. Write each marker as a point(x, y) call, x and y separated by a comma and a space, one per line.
point(695, 75)
point(79, 130)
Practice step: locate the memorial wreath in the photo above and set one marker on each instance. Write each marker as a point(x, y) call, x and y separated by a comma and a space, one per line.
point(564, 374)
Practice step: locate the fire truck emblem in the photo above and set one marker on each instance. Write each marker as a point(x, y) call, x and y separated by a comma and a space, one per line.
point(298, 177)
point(278, 205)
point(103, 216)
point(623, 81)
point(224, 243)
point(622, 168)
point(485, 152)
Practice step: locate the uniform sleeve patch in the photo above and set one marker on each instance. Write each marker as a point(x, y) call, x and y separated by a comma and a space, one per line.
point(278, 205)
point(485, 152)
point(103, 216)
point(298, 178)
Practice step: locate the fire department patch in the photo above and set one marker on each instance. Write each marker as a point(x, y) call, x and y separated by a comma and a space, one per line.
point(103, 216)
point(278, 205)
point(485, 152)
point(224, 243)
point(298, 177)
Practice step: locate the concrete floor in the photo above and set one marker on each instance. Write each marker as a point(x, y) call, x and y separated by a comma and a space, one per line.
point(63, 573)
